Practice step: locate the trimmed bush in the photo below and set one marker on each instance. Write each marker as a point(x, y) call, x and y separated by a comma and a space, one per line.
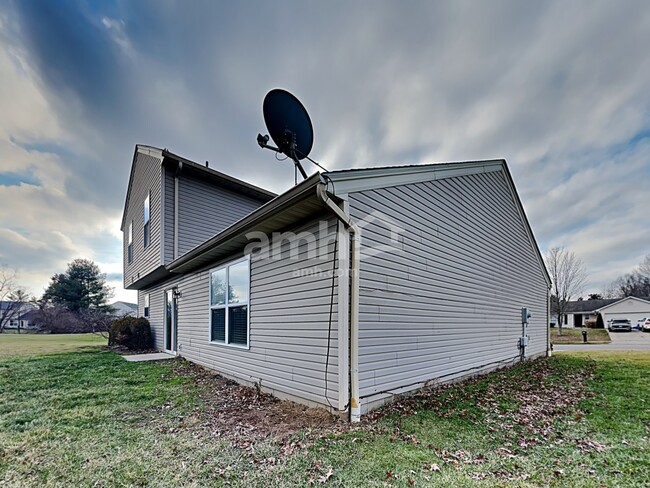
point(132, 333)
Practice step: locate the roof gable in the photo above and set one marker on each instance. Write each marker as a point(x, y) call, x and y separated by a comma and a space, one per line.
point(353, 180)
point(209, 174)
point(627, 299)
point(139, 149)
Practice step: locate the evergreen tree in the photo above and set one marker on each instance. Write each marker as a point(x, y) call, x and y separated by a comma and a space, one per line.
point(82, 288)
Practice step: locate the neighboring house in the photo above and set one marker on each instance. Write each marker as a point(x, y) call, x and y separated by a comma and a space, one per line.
point(18, 315)
point(239, 280)
point(630, 308)
point(581, 311)
point(123, 309)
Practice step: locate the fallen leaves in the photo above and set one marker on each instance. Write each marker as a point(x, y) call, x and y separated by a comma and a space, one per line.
point(319, 474)
point(586, 445)
point(521, 409)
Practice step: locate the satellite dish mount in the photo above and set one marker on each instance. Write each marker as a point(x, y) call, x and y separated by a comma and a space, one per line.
point(289, 126)
point(287, 147)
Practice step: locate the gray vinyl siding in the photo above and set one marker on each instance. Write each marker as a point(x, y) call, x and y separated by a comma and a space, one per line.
point(289, 316)
point(205, 209)
point(446, 300)
point(146, 178)
point(169, 215)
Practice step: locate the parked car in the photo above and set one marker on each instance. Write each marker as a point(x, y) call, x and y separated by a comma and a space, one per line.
point(640, 322)
point(620, 324)
point(645, 327)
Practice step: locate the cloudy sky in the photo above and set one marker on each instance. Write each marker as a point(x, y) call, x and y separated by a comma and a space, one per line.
point(560, 89)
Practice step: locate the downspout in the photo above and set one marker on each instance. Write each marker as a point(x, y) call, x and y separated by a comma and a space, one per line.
point(549, 347)
point(179, 168)
point(355, 406)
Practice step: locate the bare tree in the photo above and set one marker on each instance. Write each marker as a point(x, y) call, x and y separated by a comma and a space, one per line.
point(12, 297)
point(644, 267)
point(610, 290)
point(568, 274)
point(634, 284)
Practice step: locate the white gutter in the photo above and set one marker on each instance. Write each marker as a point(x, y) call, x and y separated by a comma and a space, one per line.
point(355, 405)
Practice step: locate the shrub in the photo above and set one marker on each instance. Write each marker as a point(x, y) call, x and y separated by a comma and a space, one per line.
point(132, 333)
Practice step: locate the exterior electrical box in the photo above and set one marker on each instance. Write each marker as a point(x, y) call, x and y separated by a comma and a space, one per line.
point(523, 340)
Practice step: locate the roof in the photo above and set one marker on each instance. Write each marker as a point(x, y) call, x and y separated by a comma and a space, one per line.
point(222, 178)
point(132, 306)
point(124, 307)
point(582, 306)
point(213, 175)
point(25, 306)
point(284, 209)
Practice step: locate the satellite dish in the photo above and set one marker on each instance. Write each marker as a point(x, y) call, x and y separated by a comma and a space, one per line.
point(289, 125)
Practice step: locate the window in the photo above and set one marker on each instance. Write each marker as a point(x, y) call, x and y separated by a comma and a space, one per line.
point(229, 290)
point(146, 305)
point(147, 228)
point(129, 247)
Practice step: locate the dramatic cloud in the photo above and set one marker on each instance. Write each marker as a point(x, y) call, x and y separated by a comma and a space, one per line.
point(557, 88)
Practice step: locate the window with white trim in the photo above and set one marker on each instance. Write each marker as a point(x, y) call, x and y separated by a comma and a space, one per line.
point(229, 300)
point(129, 247)
point(147, 226)
point(146, 305)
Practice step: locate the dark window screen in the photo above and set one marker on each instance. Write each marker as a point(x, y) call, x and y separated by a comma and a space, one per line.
point(218, 325)
point(238, 325)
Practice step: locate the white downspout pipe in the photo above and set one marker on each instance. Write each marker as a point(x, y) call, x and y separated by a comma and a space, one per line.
point(355, 402)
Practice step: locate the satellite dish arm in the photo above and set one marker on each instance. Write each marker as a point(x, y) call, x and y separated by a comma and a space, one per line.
point(263, 142)
point(300, 168)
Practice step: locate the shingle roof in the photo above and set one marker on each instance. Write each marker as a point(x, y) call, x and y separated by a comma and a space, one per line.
point(580, 306)
point(583, 306)
point(4, 305)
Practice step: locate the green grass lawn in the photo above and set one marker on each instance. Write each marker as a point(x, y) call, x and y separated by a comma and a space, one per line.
point(89, 418)
point(574, 336)
point(12, 345)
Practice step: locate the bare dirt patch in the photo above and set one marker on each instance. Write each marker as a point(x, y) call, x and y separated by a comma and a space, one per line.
point(245, 415)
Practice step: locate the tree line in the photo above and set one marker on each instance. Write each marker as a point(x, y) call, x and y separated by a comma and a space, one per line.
point(634, 284)
point(74, 301)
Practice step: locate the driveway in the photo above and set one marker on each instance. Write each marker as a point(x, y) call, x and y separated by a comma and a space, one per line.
point(621, 341)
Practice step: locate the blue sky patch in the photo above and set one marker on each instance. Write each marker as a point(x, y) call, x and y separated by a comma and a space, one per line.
point(17, 179)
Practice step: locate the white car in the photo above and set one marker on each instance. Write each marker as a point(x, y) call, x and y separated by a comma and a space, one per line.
point(620, 324)
point(645, 326)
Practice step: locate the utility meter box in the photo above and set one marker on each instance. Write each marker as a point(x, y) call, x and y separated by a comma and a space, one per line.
point(525, 315)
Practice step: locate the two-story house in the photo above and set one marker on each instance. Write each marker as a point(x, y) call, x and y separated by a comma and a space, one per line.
point(347, 289)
